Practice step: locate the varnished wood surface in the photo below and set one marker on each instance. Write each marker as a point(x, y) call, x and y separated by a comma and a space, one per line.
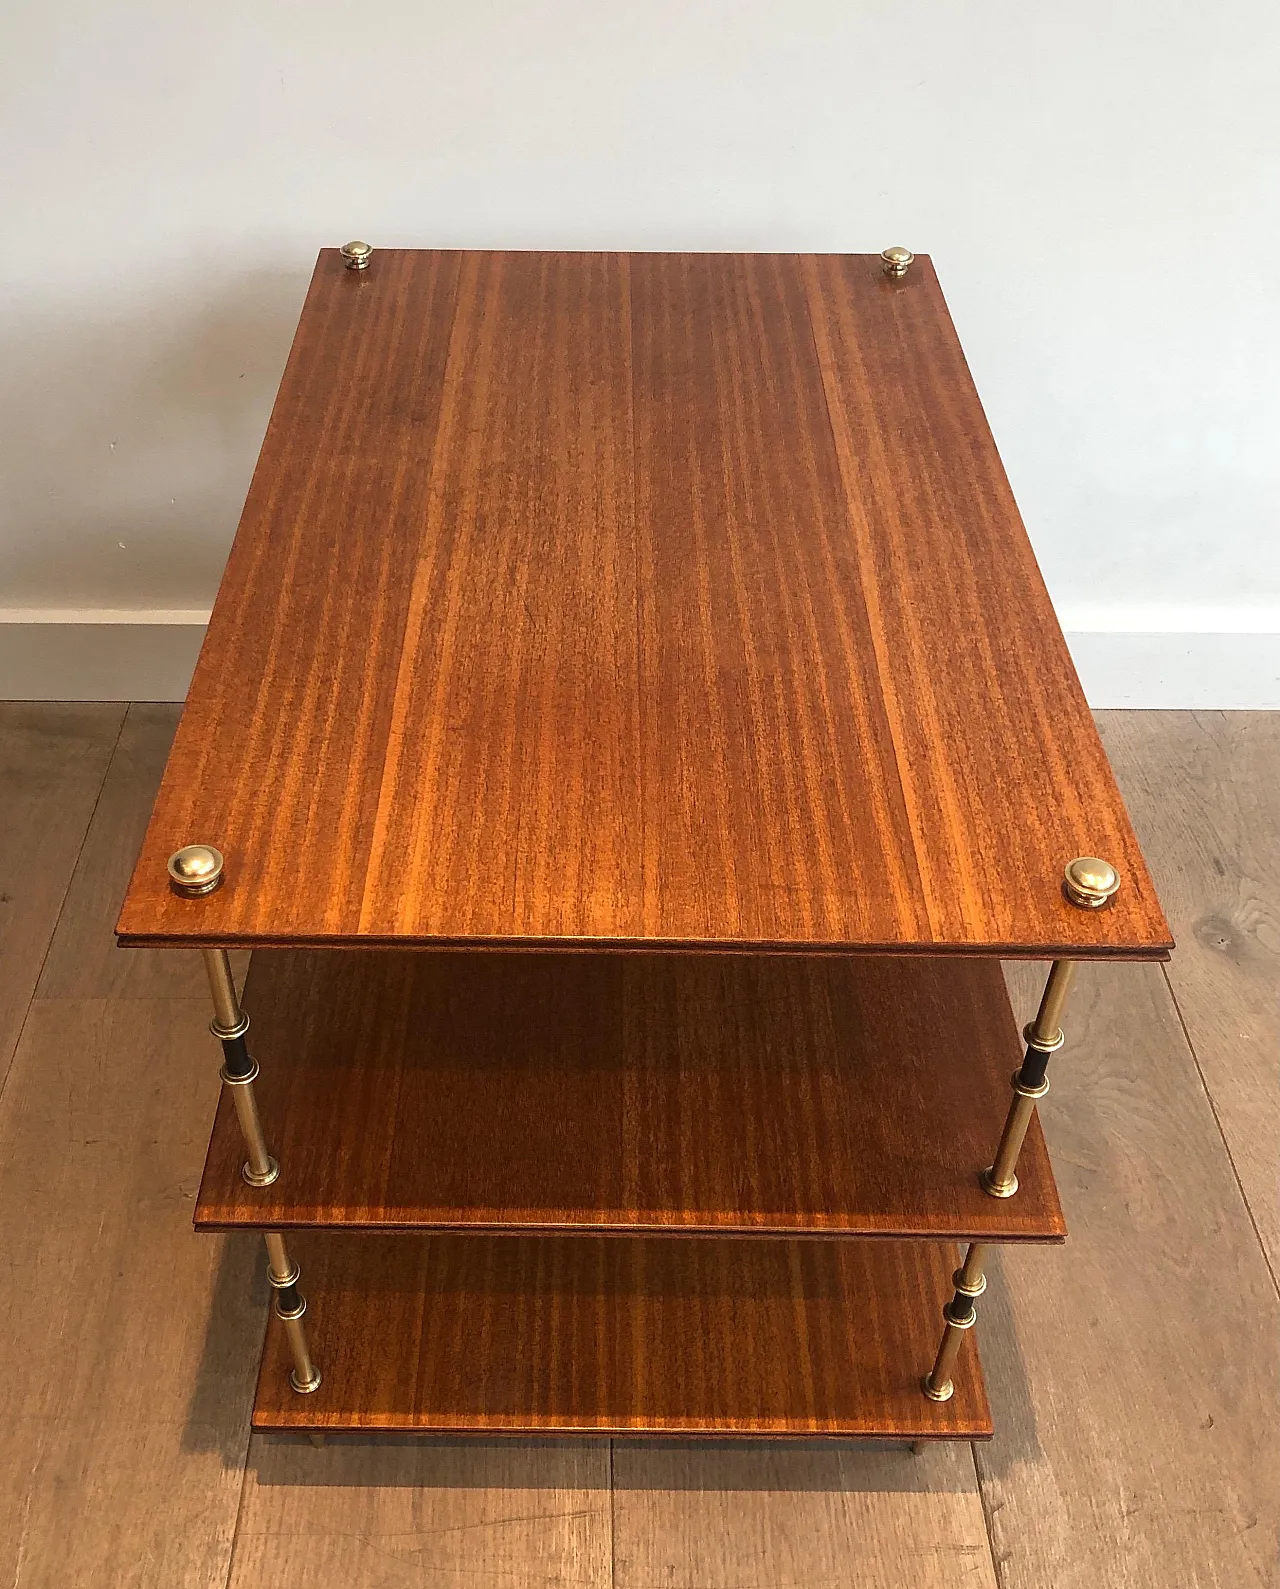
point(1134, 1380)
point(638, 599)
point(520, 1334)
point(630, 1092)
point(53, 757)
point(809, 1515)
point(417, 1513)
point(1105, 1470)
point(1219, 865)
point(506, 1513)
point(126, 1344)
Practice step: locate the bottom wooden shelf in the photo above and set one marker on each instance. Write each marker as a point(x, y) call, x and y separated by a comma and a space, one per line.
point(536, 1335)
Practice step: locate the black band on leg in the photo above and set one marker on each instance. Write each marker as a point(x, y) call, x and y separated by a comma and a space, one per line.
point(287, 1299)
point(235, 1058)
point(960, 1310)
point(1034, 1065)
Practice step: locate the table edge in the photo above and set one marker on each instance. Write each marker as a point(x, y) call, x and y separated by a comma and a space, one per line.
point(1157, 950)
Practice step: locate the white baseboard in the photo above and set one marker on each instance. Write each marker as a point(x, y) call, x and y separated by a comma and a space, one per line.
point(130, 656)
point(1180, 672)
point(98, 657)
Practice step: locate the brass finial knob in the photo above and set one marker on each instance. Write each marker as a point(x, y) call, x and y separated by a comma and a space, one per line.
point(195, 870)
point(356, 256)
point(1091, 883)
point(897, 261)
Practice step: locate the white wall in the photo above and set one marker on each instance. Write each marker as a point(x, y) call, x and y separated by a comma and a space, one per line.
point(1097, 183)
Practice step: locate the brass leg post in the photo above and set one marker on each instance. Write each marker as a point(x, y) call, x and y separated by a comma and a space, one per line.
point(239, 1068)
point(195, 872)
point(1044, 1037)
point(1089, 884)
point(290, 1306)
point(970, 1282)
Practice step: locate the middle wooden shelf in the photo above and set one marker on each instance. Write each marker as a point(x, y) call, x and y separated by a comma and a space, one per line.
point(639, 1093)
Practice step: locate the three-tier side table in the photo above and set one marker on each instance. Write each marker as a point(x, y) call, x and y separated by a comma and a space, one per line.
point(631, 730)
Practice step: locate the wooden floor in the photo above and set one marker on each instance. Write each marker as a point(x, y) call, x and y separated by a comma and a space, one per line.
point(1134, 1374)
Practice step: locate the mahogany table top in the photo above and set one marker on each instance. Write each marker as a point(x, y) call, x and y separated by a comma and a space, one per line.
point(647, 600)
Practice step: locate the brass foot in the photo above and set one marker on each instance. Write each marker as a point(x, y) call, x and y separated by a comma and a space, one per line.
point(264, 1177)
point(261, 1178)
point(958, 1316)
point(1044, 1038)
point(943, 1392)
point(994, 1188)
point(283, 1275)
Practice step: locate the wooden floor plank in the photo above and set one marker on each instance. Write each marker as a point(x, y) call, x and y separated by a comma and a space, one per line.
point(835, 1516)
point(53, 758)
point(405, 1513)
point(1205, 797)
point(83, 961)
point(1133, 1375)
point(127, 1345)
